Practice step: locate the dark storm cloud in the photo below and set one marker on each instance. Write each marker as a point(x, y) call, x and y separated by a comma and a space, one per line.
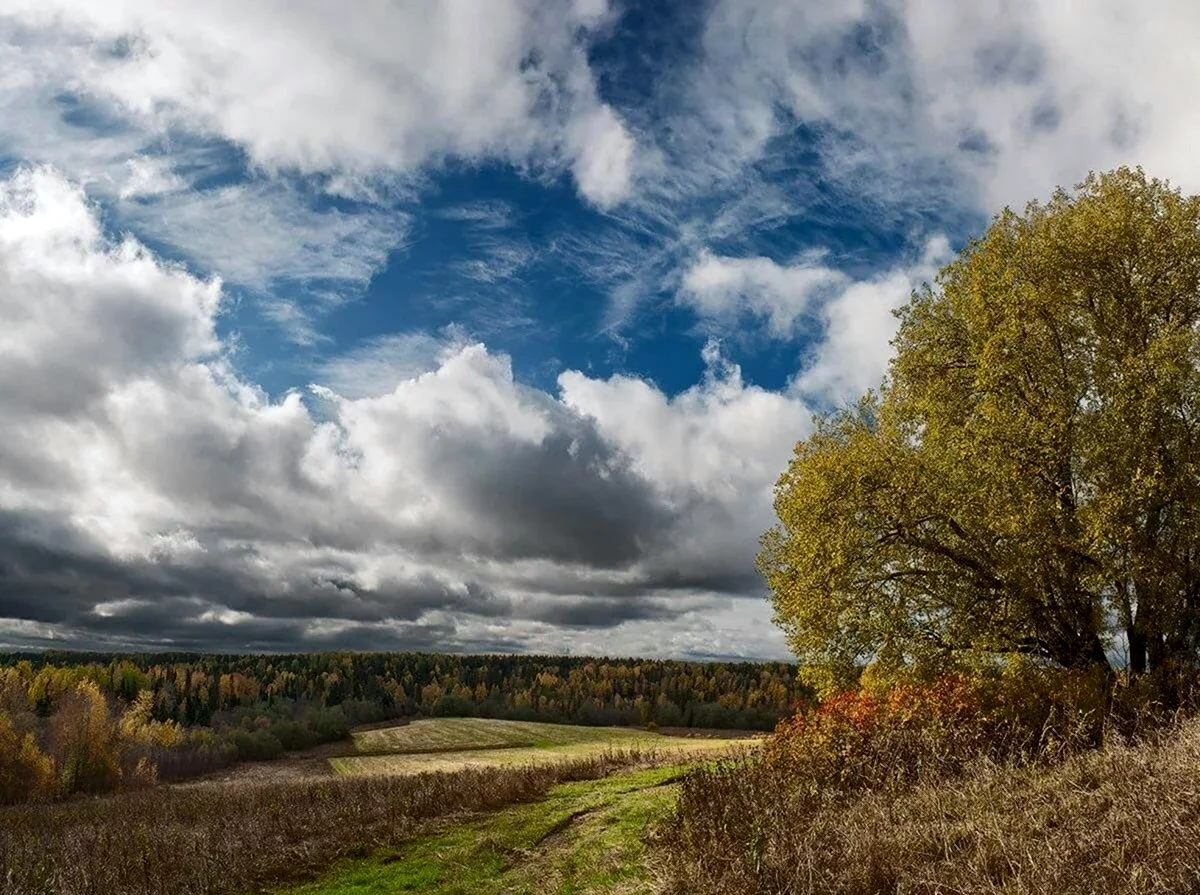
point(51, 574)
point(570, 498)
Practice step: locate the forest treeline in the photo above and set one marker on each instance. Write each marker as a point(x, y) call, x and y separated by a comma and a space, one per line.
point(90, 722)
point(194, 689)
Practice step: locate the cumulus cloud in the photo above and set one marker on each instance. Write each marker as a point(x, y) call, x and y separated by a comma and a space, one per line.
point(859, 324)
point(603, 154)
point(725, 288)
point(151, 494)
point(854, 317)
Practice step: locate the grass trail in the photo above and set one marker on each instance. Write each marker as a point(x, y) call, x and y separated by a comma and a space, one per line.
point(584, 838)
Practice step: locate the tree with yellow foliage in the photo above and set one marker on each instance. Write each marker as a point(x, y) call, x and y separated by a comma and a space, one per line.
point(1027, 479)
point(85, 743)
point(25, 773)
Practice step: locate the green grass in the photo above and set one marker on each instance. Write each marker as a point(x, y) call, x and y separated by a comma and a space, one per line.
point(446, 744)
point(446, 734)
point(584, 838)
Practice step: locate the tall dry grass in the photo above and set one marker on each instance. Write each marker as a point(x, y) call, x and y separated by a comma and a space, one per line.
point(1123, 819)
point(236, 838)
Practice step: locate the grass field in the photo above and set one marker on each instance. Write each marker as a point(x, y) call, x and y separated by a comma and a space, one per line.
point(445, 734)
point(585, 838)
point(445, 744)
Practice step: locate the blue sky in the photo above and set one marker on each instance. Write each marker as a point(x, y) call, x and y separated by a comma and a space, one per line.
point(488, 326)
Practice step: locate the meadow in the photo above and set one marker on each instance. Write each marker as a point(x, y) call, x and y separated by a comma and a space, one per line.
point(447, 744)
point(262, 828)
point(582, 837)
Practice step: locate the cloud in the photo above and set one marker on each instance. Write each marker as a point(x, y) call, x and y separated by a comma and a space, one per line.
point(604, 156)
point(388, 90)
point(378, 365)
point(724, 288)
point(260, 233)
point(151, 494)
point(859, 324)
point(853, 319)
point(983, 103)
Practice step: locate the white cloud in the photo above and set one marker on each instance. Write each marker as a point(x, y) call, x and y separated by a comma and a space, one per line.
point(166, 499)
point(718, 437)
point(149, 177)
point(303, 86)
point(604, 156)
point(379, 364)
point(723, 288)
point(264, 233)
point(989, 103)
point(859, 326)
point(851, 349)
point(80, 313)
point(261, 234)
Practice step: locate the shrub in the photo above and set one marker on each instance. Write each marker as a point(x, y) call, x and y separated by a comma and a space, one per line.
point(293, 735)
point(329, 725)
point(255, 745)
point(899, 728)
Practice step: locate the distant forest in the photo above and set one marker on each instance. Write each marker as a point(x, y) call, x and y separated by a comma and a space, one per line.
point(192, 689)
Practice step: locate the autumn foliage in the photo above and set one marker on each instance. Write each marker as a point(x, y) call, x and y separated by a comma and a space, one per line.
point(892, 728)
point(85, 746)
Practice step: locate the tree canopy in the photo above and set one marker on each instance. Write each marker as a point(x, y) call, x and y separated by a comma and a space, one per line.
point(1026, 479)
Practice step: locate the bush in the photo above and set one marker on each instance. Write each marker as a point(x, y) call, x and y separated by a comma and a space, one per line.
point(255, 745)
point(329, 725)
point(292, 735)
point(896, 729)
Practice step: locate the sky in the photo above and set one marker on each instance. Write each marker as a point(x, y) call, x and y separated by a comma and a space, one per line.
point(489, 325)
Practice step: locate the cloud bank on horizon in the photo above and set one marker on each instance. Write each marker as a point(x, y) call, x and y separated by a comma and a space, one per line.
point(456, 327)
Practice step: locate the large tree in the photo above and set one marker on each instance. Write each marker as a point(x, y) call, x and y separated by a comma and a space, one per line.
point(1027, 477)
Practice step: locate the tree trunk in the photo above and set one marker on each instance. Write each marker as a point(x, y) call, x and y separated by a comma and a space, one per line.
point(1137, 650)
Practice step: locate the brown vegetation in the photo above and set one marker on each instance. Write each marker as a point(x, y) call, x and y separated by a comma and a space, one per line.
point(1119, 820)
point(233, 838)
point(984, 783)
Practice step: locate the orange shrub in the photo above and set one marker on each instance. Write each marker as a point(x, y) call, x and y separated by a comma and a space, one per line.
point(898, 728)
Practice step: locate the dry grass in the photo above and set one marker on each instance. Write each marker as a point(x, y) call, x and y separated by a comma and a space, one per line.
point(234, 838)
point(1123, 820)
point(667, 748)
point(455, 734)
